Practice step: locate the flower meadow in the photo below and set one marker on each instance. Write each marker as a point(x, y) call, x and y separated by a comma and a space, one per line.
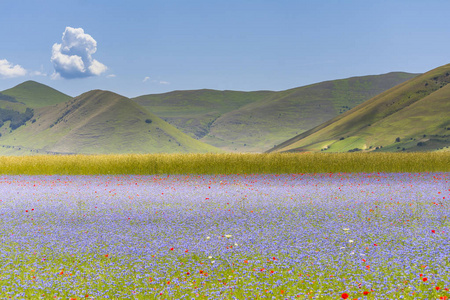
point(288, 236)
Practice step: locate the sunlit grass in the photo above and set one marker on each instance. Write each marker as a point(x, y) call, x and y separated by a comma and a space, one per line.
point(272, 163)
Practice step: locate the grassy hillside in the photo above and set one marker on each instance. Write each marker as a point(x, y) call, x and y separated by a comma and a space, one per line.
point(35, 95)
point(256, 121)
point(194, 111)
point(413, 116)
point(98, 122)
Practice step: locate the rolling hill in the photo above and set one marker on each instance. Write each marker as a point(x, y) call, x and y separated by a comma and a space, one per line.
point(413, 116)
point(256, 121)
point(194, 111)
point(34, 95)
point(97, 122)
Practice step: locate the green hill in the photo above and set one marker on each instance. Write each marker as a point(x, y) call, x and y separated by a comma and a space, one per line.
point(98, 122)
point(35, 95)
point(413, 116)
point(194, 111)
point(256, 121)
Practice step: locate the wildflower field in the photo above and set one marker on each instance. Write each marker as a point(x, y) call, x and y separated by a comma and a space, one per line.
point(261, 236)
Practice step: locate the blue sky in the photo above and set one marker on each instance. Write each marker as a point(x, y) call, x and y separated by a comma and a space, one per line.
point(145, 47)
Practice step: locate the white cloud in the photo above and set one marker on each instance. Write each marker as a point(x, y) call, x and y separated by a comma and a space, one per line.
point(97, 67)
point(111, 76)
point(155, 81)
point(8, 70)
point(37, 73)
point(73, 57)
point(55, 76)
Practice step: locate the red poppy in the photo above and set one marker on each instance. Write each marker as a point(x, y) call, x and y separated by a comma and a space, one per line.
point(344, 295)
point(424, 279)
point(365, 293)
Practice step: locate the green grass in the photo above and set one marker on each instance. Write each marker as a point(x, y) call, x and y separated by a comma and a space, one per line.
point(100, 273)
point(13, 106)
point(98, 122)
point(34, 94)
point(409, 110)
point(256, 121)
point(178, 103)
point(274, 163)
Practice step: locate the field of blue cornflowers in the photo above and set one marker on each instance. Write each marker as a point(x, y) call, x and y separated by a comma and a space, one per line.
point(292, 236)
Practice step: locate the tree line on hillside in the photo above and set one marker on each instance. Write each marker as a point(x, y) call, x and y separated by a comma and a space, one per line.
point(17, 119)
point(7, 98)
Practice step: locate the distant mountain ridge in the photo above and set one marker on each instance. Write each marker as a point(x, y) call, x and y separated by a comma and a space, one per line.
point(256, 121)
point(47, 121)
point(193, 111)
point(413, 116)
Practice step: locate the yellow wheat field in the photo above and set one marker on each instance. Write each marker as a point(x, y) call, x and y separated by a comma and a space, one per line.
point(274, 163)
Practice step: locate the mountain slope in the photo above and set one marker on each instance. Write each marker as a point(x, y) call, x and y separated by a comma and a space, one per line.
point(35, 95)
point(414, 116)
point(99, 122)
point(255, 121)
point(194, 111)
